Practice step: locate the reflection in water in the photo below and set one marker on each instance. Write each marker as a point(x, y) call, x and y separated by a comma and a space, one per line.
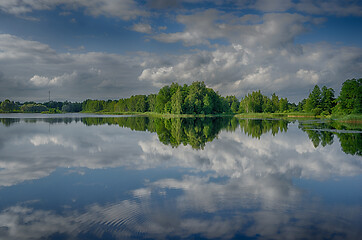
point(171, 131)
point(189, 178)
point(322, 133)
point(196, 132)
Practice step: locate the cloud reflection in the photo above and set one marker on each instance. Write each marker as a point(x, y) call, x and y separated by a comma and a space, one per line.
point(236, 186)
point(206, 209)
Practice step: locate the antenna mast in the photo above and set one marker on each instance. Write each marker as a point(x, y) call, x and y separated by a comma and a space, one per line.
point(49, 95)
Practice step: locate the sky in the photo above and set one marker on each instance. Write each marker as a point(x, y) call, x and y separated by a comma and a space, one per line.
point(112, 49)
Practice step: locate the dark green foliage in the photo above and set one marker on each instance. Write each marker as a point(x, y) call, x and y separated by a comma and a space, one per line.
point(195, 132)
point(151, 102)
point(257, 127)
point(324, 103)
point(256, 102)
point(327, 99)
point(275, 103)
point(34, 108)
point(351, 143)
point(283, 105)
point(314, 99)
point(55, 105)
point(193, 99)
point(92, 105)
point(176, 102)
point(8, 106)
point(350, 98)
point(162, 98)
point(198, 99)
point(71, 107)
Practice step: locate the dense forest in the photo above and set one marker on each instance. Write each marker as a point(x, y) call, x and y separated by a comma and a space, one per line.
point(198, 99)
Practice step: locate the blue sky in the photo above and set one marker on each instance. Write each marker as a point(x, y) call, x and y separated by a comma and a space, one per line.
point(111, 49)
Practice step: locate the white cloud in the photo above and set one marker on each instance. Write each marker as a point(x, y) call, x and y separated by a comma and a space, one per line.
point(29, 66)
point(41, 81)
point(318, 7)
point(308, 75)
point(124, 9)
point(271, 6)
point(271, 30)
point(233, 154)
point(238, 69)
point(256, 183)
point(39, 140)
point(142, 28)
point(331, 7)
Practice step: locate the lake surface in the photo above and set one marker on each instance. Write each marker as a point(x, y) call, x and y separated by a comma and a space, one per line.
point(83, 176)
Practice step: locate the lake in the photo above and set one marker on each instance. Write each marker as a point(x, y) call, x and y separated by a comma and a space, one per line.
point(79, 176)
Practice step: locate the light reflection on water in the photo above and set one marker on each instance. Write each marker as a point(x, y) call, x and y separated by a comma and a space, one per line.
point(89, 178)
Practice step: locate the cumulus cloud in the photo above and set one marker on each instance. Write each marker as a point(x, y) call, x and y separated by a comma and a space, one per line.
point(30, 66)
point(319, 7)
point(233, 154)
point(334, 7)
point(262, 55)
point(124, 9)
point(256, 184)
point(237, 69)
point(245, 53)
point(128, 219)
point(271, 30)
point(142, 28)
point(41, 81)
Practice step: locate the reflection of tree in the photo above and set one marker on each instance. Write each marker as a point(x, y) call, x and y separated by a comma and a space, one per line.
point(322, 133)
point(320, 137)
point(9, 121)
point(351, 143)
point(173, 131)
point(256, 127)
point(198, 131)
point(189, 131)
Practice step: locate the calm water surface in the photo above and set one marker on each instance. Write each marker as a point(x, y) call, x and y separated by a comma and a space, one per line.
point(85, 177)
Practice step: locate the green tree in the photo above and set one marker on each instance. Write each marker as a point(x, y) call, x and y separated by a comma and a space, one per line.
point(314, 99)
point(327, 99)
point(176, 102)
point(8, 106)
point(235, 106)
point(350, 98)
point(162, 98)
point(275, 103)
point(267, 105)
point(254, 102)
point(151, 102)
point(283, 105)
point(208, 104)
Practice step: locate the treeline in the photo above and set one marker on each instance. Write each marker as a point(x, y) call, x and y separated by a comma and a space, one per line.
point(174, 99)
point(33, 107)
point(323, 102)
point(198, 99)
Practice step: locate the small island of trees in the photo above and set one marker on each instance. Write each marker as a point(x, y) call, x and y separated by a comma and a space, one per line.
point(198, 99)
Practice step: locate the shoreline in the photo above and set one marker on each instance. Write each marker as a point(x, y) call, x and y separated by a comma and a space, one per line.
point(351, 118)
